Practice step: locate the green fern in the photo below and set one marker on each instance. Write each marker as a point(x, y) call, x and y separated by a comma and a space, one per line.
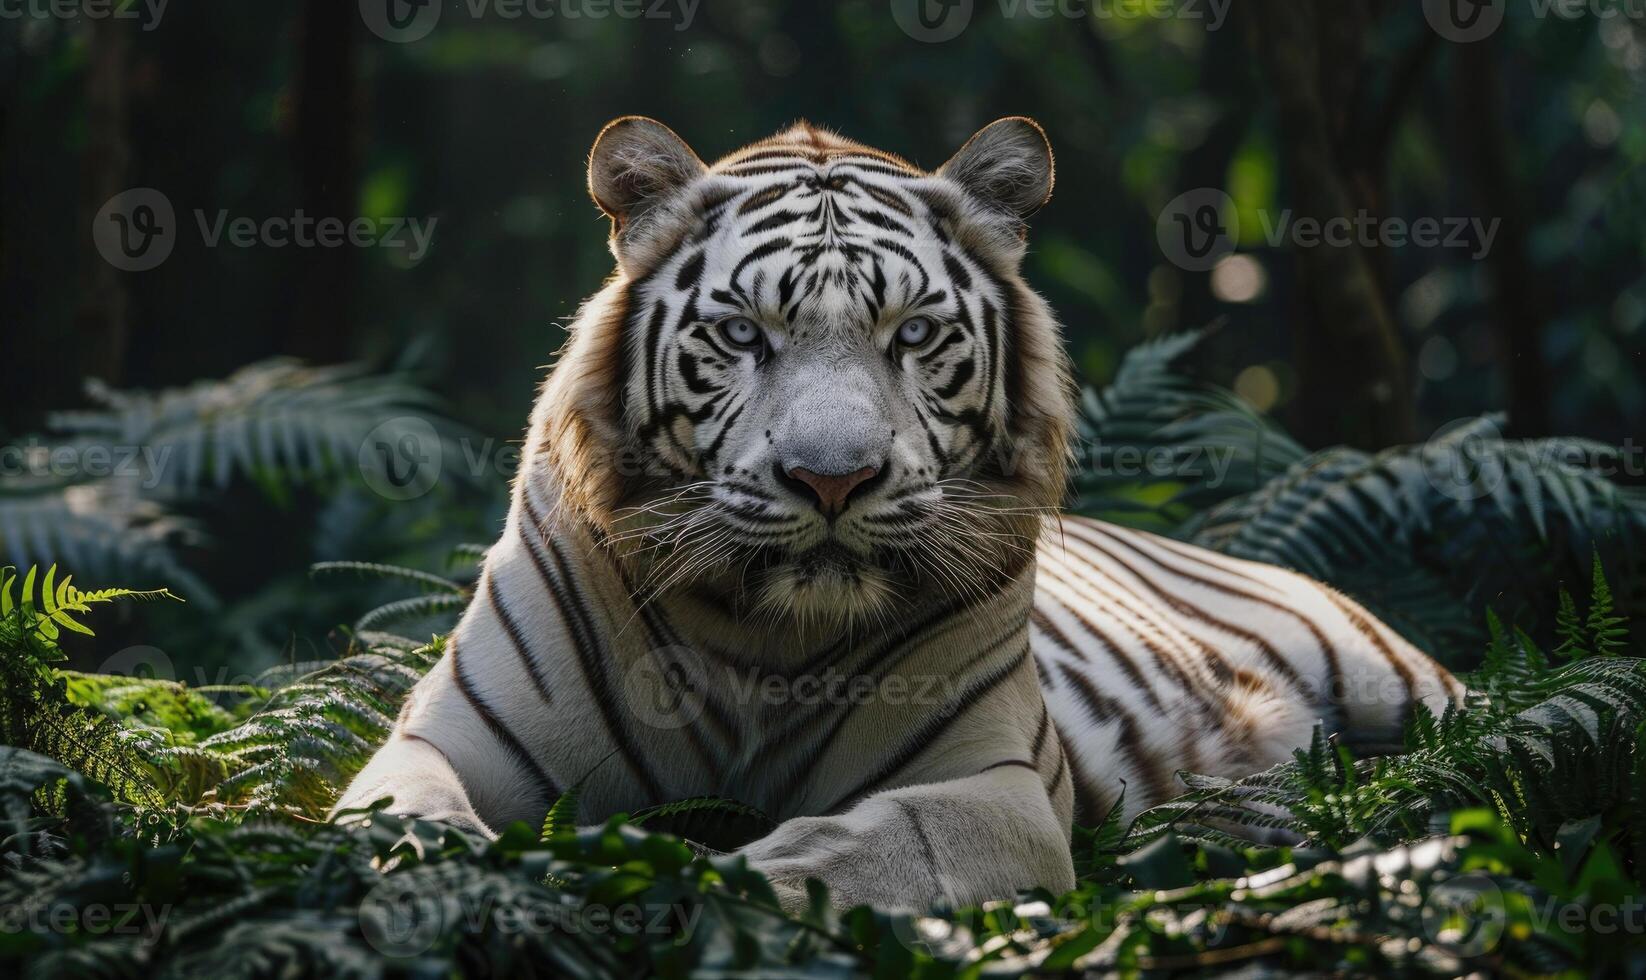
point(1569, 628)
point(278, 422)
point(426, 580)
point(561, 820)
point(54, 607)
point(1151, 410)
point(1425, 535)
point(1608, 634)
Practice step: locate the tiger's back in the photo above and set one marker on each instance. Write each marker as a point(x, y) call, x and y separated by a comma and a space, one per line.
point(1156, 657)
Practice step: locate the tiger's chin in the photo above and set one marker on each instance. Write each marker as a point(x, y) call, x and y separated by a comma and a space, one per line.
point(829, 588)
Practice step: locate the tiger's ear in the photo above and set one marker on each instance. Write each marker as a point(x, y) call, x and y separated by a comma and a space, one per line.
point(1006, 165)
point(637, 163)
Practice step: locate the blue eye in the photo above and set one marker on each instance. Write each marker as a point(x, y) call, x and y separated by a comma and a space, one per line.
point(741, 332)
point(915, 331)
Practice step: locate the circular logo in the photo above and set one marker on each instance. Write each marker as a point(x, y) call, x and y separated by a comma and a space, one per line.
point(136, 230)
point(400, 21)
point(667, 688)
point(149, 663)
point(1465, 915)
point(1465, 21)
point(400, 459)
point(1198, 229)
point(1462, 459)
point(932, 21)
point(402, 917)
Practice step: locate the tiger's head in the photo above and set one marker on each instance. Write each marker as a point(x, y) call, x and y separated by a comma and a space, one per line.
point(817, 381)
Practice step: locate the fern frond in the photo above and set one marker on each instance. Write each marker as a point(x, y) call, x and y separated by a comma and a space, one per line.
point(366, 569)
point(1607, 631)
point(278, 422)
point(561, 820)
point(1212, 444)
point(417, 607)
point(56, 604)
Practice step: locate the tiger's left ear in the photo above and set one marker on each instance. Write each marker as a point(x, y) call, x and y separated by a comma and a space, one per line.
point(1007, 165)
point(636, 164)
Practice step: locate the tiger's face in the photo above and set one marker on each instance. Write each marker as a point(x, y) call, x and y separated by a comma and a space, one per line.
point(834, 391)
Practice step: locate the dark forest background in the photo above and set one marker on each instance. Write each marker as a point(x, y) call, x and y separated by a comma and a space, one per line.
point(483, 126)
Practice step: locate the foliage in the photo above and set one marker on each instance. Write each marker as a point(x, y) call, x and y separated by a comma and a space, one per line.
point(119, 490)
point(198, 824)
point(1423, 534)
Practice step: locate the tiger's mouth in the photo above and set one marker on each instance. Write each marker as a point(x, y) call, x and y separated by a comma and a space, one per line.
point(832, 557)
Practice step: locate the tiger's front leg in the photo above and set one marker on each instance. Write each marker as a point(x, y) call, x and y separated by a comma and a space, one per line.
point(951, 844)
point(418, 780)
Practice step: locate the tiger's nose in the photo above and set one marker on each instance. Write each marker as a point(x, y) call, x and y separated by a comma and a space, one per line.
point(832, 491)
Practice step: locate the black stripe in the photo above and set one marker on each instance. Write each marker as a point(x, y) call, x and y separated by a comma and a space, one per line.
point(585, 640)
point(760, 199)
point(1270, 654)
point(1008, 763)
point(957, 272)
point(963, 372)
point(652, 344)
point(930, 733)
point(690, 271)
point(1168, 664)
point(1103, 710)
point(912, 814)
point(516, 638)
point(1369, 630)
point(1127, 665)
point(545, 786)
point(757, 253)
point(1041, 731)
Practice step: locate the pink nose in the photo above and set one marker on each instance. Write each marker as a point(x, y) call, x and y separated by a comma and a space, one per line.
point(832, 492)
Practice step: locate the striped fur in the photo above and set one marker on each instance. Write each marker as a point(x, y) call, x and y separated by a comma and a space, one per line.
point(925, 679)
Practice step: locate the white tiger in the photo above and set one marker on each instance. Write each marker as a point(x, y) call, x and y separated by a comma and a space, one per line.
point(778, 537)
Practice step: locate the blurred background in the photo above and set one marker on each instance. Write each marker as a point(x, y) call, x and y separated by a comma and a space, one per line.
point(455, 133)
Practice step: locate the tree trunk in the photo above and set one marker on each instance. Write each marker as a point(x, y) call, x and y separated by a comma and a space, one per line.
point(1520, 304)
point(101, 327)
point(1353, 373)
point(327, 169)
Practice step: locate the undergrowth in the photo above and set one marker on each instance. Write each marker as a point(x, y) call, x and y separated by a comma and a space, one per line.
point(153, 829)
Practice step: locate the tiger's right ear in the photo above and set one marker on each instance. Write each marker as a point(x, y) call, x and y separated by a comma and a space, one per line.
point(636, 164)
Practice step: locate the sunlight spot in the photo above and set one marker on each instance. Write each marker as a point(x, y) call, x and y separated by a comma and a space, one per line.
point(1259, 386)
point(1239, 279)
